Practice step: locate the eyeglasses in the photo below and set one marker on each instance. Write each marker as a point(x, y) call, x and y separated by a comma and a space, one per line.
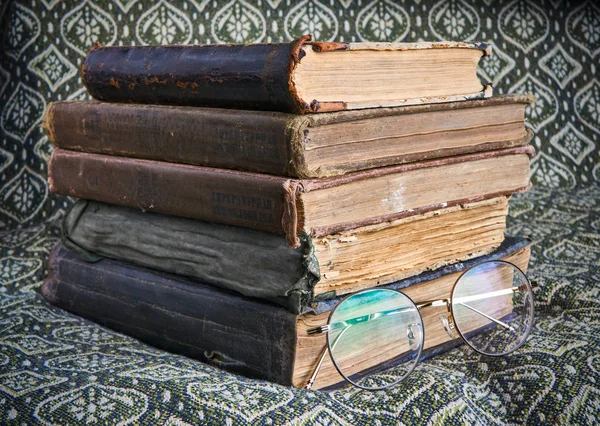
point(490, 306)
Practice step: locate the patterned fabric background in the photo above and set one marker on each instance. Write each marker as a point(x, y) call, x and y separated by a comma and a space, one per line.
point(56, 368)
point(549, 48)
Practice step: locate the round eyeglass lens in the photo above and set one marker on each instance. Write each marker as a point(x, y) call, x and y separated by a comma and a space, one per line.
point(372, 331)
point(492, 306)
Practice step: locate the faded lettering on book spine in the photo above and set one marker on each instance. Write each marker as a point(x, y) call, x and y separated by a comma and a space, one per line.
point(242, 207)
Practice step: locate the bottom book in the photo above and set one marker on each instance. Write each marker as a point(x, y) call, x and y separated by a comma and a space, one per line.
point(239, 334)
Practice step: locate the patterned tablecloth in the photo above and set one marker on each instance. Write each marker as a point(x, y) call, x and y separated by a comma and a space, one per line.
point(56, 368)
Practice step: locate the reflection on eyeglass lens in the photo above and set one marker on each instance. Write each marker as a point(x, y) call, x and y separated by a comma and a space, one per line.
point(492, 305)
point(371, 331)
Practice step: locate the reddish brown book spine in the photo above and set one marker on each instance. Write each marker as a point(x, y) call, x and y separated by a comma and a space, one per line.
point(234, 198)
point(224, 138)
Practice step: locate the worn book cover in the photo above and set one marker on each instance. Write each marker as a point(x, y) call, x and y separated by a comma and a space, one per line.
point(299, 77)
point(315, 207)
point(301, 146)
point(242, 335)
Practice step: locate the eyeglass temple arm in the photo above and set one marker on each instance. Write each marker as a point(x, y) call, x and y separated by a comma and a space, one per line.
point(483, 314)
point(445, 302)
point(313, 376)
point(436, 303)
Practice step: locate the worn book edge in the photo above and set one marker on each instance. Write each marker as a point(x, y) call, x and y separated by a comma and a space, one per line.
point(317, 106)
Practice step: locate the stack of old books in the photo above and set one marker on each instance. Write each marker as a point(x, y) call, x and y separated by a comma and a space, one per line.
point(231, 195)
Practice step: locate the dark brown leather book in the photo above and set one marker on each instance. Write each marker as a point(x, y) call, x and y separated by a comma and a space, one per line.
point(259, 264)
point(315, 207)
point(236, 333)
point(296, 77)
point(309, 146)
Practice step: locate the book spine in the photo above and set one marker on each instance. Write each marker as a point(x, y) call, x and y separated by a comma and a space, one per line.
point(229, 139)
point(237, 334)
point(253, 76)
point(225, 256)
point(250, 200)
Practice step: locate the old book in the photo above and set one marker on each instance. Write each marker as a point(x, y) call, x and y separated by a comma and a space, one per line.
point(260, 264)
point(298, 77)
point(310, 146)
point(316, 207)
point(243, 335)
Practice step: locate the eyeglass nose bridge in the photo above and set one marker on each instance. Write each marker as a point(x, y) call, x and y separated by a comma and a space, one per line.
point(448, 324)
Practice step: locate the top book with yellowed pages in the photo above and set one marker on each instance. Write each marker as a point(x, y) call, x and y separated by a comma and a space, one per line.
point(300, 77)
